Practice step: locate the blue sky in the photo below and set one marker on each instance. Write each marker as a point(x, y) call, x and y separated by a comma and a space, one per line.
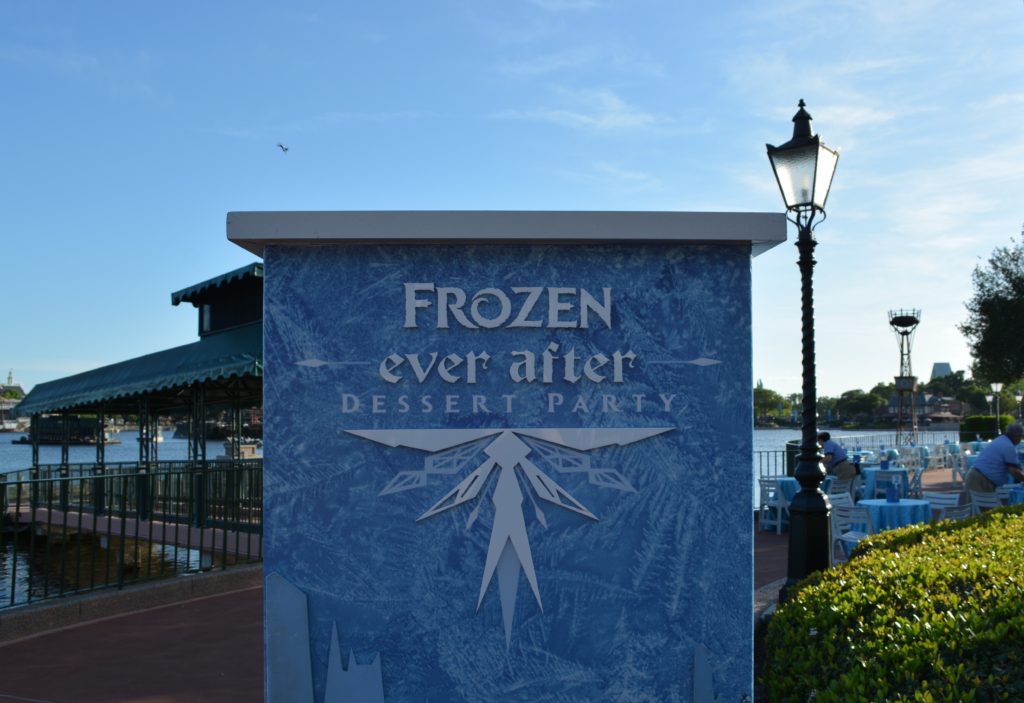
point(133, 128)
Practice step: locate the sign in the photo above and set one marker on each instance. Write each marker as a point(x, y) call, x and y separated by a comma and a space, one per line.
point(515, 471)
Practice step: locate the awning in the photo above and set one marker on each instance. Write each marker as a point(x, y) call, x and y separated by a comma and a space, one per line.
point(229, 364)
point(190, 294)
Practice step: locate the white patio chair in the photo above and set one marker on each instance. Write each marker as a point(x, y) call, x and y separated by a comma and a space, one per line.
point(924, 455)
point(956, 512)
point(940, 500)
point(915, 481)
point(958, 469)
point(981, 501)
point(837, 487)
point(843, 499)
point(939, 457)
point(774, 510)
point(1004, 492)
point(909, 457)
point(849, 526)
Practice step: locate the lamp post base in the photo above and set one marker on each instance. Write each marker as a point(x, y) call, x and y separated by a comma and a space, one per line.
point(810, 528)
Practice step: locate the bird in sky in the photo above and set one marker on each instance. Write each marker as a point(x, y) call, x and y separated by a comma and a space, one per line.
point(283, 148)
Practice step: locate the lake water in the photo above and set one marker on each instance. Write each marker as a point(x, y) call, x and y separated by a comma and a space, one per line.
point(17, 457)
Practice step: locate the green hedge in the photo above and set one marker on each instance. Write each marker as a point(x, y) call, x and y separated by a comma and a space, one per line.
point(983, 426)
point(924, 613)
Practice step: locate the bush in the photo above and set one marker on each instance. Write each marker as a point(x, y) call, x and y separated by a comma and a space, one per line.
point(983, 426)
point(924, 613)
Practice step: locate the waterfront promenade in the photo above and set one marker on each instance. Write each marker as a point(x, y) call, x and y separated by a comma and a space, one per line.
point(209, 649)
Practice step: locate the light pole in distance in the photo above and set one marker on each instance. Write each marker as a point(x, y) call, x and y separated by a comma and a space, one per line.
point(997, 388)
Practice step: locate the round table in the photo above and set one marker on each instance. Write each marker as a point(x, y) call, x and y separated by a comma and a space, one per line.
point(789, 486)
point(888, 516)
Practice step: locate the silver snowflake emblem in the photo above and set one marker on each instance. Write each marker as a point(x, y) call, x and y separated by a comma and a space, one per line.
point(509, 467)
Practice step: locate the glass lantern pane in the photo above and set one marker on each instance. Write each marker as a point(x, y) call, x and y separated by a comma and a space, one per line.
point(826, 169)
point(795, 171)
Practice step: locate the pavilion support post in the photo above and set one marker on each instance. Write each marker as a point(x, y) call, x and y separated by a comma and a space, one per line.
point(65, 438)
point(99, 497)
point(33, 433)
point(231, 485)
point(154, 437)
point(142, 474)
point(65, 453)
point(199, 464)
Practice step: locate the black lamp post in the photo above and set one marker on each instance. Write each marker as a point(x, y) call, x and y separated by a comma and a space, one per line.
point(804, 167)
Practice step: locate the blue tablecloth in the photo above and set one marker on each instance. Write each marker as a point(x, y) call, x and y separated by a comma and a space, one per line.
point(870, 475)
point(1016, 496)
point(888, 516)
point(789, 486)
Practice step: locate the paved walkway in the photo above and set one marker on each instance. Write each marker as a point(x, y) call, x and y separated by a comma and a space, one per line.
point(207, 650)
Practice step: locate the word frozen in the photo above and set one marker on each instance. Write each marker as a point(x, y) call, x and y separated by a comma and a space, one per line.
point(490, 308)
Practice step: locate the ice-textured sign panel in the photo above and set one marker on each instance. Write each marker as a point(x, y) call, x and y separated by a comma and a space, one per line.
point(511, 472)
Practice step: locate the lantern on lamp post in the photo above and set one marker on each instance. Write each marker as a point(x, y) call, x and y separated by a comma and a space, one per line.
point(803, 168)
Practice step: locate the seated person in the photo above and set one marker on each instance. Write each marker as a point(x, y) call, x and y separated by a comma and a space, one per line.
point(835, 458)
point(995, 463)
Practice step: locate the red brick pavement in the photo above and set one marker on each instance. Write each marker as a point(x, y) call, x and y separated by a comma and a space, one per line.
point(208, 650)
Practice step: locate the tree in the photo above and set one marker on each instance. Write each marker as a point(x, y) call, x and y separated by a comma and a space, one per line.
point(858, 405)
point(949, 386)
point(994, 312)
point(765, 400)
point(884, 390)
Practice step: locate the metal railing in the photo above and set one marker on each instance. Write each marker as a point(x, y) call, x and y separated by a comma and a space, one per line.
point(770, 463)
point(84, 528)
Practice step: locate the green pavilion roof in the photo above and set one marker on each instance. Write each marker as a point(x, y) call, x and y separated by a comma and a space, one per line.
point(229, 364)
point(192, 294)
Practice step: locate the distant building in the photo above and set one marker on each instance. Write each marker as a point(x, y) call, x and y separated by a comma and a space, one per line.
point(11, 394)
point(940, 369)
point(930, 409)
point(11, 388)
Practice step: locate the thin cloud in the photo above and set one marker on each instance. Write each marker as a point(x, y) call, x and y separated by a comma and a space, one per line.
point(998, 101)
point(565, 5)
point(621, 179)
point(599, 110)
point(61, 61)
point(315, 123)
point(546, 63)
point(606, 59)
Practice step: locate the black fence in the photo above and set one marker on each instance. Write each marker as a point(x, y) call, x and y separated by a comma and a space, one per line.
point(83, 528)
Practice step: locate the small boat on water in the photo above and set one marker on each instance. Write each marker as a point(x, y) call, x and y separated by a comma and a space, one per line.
point(74, 441)
point(51, 430)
